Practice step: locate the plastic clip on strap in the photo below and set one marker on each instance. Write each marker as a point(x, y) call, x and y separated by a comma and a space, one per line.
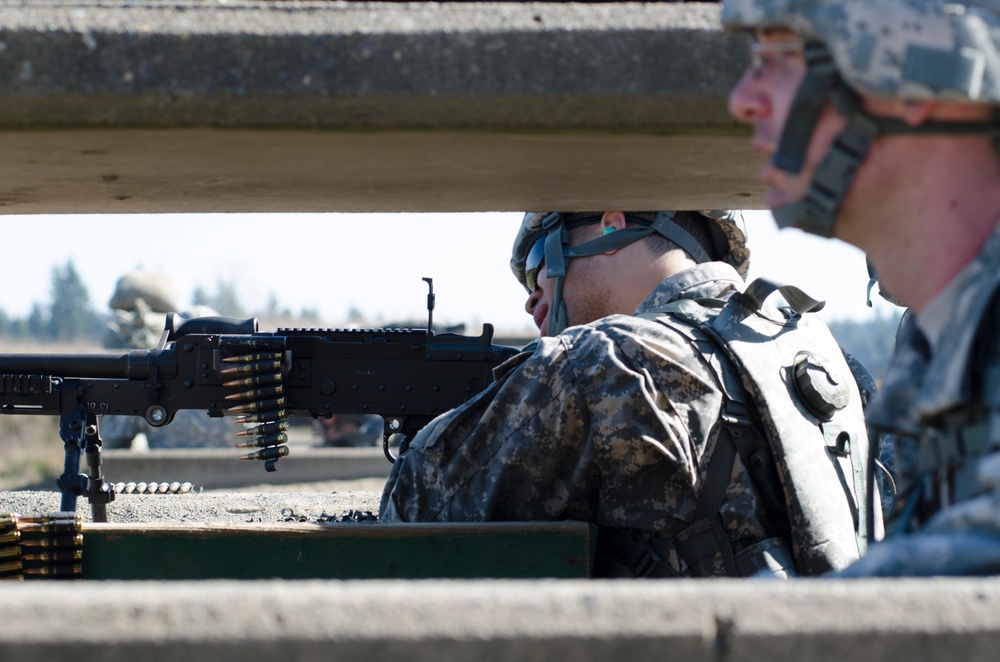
point(759, 290)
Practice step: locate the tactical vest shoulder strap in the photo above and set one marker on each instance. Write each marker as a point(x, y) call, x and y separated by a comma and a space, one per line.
point(787, 361)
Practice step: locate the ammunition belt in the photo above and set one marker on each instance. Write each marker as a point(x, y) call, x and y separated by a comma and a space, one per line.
point(48, 546)
point(153, 488)
point(263, 404)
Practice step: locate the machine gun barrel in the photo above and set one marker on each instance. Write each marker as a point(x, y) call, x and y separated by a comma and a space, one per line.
point(100, 366)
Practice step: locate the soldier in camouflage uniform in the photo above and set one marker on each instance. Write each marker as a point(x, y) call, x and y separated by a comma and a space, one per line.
point(612, 417)
point(880, 118)
point(139, 305)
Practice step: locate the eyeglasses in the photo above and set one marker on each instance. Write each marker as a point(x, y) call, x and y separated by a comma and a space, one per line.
point(533, 263)
point(760, 49)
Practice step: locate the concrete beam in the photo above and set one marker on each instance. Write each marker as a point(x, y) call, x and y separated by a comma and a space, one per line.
point(710, 620)
point(196, 106)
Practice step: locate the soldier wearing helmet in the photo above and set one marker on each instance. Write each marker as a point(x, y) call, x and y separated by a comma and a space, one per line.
point(880, 121)
point(614, 416)
point(544, 238)
point(139, 306)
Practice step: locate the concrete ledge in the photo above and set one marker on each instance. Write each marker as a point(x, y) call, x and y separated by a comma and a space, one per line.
point(711, 620)
point(192, 106)
point(76, 63)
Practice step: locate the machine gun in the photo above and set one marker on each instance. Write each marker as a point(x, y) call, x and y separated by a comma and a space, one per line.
point(225, 366)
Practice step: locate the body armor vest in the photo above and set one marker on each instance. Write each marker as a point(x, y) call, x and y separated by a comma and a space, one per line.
point(794, 418)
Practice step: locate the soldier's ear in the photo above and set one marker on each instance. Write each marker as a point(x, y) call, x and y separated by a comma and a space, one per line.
point(612, 221)
point(615, 220)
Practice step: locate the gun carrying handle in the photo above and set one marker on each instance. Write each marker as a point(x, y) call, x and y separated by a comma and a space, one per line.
point(178, 326)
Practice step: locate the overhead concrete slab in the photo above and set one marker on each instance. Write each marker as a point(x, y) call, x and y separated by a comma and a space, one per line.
point(342, 106)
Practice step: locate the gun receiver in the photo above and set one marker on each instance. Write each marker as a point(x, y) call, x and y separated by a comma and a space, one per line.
point(226, 367)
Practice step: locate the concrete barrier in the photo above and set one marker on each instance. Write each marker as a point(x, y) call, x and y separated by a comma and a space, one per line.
point(710, 620)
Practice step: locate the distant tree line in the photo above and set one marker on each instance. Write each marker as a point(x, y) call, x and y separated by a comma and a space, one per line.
point(870, 341)
point(69, 315)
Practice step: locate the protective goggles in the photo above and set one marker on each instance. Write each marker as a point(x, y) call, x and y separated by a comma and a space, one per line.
point(533, 263)
point(536, 256)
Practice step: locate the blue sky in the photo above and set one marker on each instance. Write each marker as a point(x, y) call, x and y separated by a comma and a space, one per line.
point(374, 262)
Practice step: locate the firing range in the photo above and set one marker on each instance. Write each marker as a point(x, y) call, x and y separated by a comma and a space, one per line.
point(211, 106)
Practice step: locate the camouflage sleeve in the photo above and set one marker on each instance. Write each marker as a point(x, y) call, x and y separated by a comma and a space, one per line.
point(504, 455)
point(580, 429)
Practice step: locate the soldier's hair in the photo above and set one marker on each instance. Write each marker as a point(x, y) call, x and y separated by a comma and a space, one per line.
point(691, 221)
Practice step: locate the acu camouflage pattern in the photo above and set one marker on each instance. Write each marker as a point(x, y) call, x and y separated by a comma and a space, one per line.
point(611, 423)
point(823, 487)
point(910, 49)
point(946, 427)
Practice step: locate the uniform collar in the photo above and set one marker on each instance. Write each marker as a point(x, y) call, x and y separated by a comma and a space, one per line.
point(950, 322)
point(707, 280)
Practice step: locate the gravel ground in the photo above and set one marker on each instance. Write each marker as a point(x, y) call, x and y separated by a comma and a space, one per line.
point(222, 507)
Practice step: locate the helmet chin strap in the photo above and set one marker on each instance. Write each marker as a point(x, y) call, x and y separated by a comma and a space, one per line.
point(558, 252)
point(816, 212)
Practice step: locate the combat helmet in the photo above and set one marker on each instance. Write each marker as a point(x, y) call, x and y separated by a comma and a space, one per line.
point(922, 50)
point(545, 234)
point(156, 289)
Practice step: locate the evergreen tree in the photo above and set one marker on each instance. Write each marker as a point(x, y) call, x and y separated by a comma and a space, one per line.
point(225, 300)
point(200, 297)
point(37, 325)
point(70, 313)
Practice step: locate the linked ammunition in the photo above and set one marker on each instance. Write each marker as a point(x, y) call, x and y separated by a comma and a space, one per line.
point(261, 417)
point(32, 529)
point(264, 429)
point(257, 368)
point(10, 537)
point(248, 358)
point(53, 542)
point(55, 570)
point(258, 393)
point(11, 566)
point(267, 454)
point(56, 555)
point(11, 551)
point(265, 379)
point(262, 405)
point(264, 441)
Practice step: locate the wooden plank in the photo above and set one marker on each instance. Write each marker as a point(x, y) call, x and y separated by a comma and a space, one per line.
point(339, 551)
